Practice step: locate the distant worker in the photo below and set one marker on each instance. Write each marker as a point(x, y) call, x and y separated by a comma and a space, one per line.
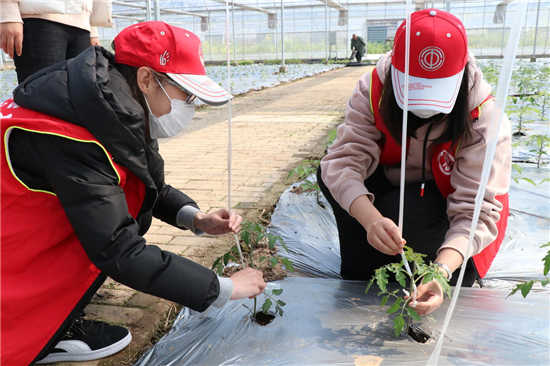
point(358, 45)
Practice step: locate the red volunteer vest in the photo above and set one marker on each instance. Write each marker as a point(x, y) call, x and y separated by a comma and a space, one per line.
point(443, 159)
point(44, 269)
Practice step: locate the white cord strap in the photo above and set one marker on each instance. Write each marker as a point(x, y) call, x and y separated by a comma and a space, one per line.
point(404, 144)
point(229, 146)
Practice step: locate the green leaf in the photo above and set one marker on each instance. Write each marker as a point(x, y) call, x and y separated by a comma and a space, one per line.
point(398, 324)
point(283, 243)
point(279, 310)
point(528, 180)
point(546, 261)
point(245, 236)
point(400, 277)
point(526, 288)
point(220, 268)
point(271, 241)
point(266, 306)
point(273, 261)
point(429, 277)
point(384, 300)
point(395, 306)
point(281, 302)
point(545, 282)
point(369, 285)
point(288, 264)
point(547, 244)
point(215, 264)
point(381, 278)
point(262, 259)
point(544, 180)
point(518, 287)
point(413, 314)
point(277, 291)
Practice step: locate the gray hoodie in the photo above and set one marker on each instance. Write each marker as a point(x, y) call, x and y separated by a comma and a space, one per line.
point(355, 156)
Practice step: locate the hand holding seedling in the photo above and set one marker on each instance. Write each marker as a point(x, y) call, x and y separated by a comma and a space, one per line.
point(248, 282)
point(382, 233)
point(429, 297)
point(218, 222)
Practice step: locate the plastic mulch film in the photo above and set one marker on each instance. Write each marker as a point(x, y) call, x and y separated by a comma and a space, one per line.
point(309, 231)
point(333, 322)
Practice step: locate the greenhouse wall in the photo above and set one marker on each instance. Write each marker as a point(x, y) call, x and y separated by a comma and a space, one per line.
point(315, 31)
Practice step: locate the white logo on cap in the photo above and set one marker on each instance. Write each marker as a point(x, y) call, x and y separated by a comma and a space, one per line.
point(431, 58)
point(164, 58)
point(446, 162)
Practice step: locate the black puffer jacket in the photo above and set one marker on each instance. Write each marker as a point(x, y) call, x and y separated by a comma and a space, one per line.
point(88, 91)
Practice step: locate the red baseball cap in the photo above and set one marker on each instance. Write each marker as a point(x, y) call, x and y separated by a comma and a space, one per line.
point(438, 55)
point(174, 51)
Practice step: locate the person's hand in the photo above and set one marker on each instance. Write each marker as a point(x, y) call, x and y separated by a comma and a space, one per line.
point(94, 41)
point(218, 222)
point(248, 282)
point(11, 34)
point(385, 236)
point(429, 297)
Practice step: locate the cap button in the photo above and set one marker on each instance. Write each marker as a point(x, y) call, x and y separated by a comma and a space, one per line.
point(433, 13)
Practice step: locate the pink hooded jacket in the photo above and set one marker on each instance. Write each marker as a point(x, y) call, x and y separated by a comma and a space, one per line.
point(355, 156)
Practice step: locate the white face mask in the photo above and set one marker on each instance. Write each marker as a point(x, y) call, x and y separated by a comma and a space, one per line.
point(424, 113)
point(172, 123)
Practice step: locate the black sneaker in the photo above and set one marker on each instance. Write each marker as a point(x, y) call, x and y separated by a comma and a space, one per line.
point(89, 340)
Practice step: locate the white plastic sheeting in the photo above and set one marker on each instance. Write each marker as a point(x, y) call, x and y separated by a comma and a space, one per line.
point(333, 322)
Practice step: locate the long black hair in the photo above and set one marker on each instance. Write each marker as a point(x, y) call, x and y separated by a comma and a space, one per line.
point(458, 123)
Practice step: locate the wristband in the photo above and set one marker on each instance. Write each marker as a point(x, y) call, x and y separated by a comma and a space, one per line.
point(446, 268)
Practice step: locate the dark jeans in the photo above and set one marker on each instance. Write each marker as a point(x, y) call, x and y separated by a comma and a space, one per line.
point(425, 224)
point(46, 43)
point(358, 57)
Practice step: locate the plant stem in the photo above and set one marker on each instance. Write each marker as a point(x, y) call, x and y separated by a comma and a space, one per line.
point(254, 306)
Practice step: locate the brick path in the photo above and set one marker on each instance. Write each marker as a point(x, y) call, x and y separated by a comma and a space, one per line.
point(272, 131)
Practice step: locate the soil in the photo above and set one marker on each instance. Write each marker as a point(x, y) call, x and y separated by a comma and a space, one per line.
point(263, 318)
point(262, 250)
point(418, 334)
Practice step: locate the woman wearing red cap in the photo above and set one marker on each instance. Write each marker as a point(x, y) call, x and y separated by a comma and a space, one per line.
point(450, 109)
point(82, 178)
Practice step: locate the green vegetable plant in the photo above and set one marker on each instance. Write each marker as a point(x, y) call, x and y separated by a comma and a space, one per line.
point(519, 170)
point(540, 144)
point(421, 273)
point(526, 287)
point(523, 103)
point(251, 234)
point(304, 170)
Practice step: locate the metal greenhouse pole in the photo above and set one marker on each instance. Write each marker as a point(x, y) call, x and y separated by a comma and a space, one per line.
point(283, 67)
point(157, 10)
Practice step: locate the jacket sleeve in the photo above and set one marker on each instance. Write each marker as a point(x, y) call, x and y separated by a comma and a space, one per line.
point(86, 184)
point(354, 156)
point(465, 178)
point(9, 12)
point(169, 203)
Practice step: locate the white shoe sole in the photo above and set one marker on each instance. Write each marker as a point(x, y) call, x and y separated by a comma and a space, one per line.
point(88, 356)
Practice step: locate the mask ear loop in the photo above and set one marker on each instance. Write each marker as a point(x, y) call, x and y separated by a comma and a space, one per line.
point(160, 84)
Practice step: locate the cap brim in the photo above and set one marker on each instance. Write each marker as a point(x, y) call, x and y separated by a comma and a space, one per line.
point(432, 94)
point(203, 87)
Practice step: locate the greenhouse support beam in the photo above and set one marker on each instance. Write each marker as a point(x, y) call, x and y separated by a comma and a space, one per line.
point(536, 33)
point(148, 7)
point(245, 7)
point(128, 18)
